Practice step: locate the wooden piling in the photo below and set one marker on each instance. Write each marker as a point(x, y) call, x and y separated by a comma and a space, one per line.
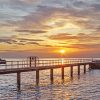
point(18, 81)
point(84, 69)
point(51, 75)
point(71, 71)
point(37, 77)
point(78, 69)
point(62, 70)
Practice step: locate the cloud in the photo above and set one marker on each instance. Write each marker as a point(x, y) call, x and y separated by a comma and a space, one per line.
point(31, 31)
point(19, 41)
point(80, 37)
point(33, 43)
point(32, 16)
point(85, 46)
point(27, 39)
point(48, 18)
point(8, 40)
point(84, 17)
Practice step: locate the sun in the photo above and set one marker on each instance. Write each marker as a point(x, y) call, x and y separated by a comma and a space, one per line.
point(62, 51)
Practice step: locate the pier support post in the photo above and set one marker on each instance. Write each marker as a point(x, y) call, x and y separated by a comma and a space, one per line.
point(51, 75)
point(78, 69)
point(62, 70)
point(18, 81)
point(37, 77)
point(71, 71)
point(89, 67)
point(84, 69)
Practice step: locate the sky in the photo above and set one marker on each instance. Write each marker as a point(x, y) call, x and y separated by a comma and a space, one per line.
point(43, 27)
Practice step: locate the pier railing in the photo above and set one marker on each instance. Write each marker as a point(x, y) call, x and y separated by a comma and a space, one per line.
point(43, 62)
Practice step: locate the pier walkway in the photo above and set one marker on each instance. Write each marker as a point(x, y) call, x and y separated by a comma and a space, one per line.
point(35, 64)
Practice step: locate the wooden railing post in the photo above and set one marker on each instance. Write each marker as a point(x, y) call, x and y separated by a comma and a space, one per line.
point(17, 64)
point(11, 64)
point(24, 63)
point(35, 62)
point(6, 66)
point(27, 63)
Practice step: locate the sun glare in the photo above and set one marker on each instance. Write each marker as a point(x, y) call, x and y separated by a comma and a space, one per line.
point(62, 51)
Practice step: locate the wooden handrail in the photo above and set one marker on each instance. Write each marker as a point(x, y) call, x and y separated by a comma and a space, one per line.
point(46, 62)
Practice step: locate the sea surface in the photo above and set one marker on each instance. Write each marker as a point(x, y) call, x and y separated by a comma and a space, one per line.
point(85, 87)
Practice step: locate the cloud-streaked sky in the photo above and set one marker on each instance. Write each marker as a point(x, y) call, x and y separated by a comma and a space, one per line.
point(43, 27)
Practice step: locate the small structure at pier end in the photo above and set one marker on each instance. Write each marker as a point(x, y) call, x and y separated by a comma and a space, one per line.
point(95, 64)
point(2, 61)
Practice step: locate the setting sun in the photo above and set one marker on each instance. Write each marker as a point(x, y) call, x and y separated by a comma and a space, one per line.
point(62, 51)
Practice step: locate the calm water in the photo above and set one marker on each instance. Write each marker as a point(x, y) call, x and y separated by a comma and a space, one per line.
point(85, 87)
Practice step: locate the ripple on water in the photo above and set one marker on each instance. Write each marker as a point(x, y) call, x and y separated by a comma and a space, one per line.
point(87, 87)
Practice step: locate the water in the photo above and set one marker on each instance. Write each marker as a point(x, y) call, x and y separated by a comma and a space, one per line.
point(85, 87)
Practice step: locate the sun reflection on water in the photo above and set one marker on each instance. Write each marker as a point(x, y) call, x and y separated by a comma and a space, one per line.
point(62, 61)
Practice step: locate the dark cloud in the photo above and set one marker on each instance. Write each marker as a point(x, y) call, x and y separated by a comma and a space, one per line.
point(34, 43)
point(19, 41)
point(26, 39)
point(31, 31)
point(8, 40)
point(46, 45)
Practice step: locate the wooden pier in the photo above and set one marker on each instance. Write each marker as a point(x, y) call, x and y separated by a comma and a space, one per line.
point(34, 64)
